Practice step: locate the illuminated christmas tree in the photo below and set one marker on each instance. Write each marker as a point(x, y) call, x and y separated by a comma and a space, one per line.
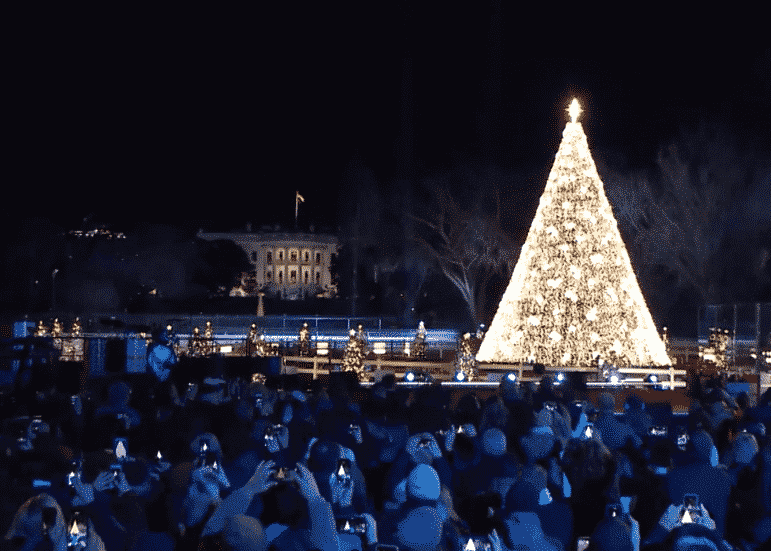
point(573, 295)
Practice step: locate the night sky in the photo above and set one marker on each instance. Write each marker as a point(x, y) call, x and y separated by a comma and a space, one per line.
point(215, 119)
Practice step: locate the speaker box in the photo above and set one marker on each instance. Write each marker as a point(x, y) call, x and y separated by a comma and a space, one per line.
point(268, 365)
point(71, 377)
point(115, 356)
point(239, 367)
point(191, 370)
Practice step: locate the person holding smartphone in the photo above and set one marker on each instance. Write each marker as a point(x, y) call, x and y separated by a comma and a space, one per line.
point(40, 523)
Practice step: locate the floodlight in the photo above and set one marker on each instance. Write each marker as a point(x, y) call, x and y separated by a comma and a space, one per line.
point(614, 377)
point(460, 376)
point(511, 377)
point(654, 379)
point(418, 376)
point(560, 378)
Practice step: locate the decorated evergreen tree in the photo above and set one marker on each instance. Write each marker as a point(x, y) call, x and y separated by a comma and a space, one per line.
point(573, 295)
point(465, 359)
point(353, 358)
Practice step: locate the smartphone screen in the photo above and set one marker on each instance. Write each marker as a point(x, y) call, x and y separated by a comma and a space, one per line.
point(589, 431)
point(658, 431)
point(691, 502)
point(120, 448)
point(343, 469)
point(614, 510)
point(77, 532)
point(116, 469)
point(582, 544)
point(478, 543)
point(351, 526)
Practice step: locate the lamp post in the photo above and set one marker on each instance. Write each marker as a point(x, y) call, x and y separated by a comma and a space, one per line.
point(53, 288)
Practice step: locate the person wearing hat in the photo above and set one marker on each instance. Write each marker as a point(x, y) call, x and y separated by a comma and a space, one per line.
point(522, 529)
point(496, 470)
point(39, 523)
point(591, 471)
point(636, 417)
point(540, 442)
point(418, 522)
point(614, 433)
point(305, 518)
point(530, 493)
point(344, 489)
point(420, 448)
point(611, 534)
point(681, 529)
point(703, 477)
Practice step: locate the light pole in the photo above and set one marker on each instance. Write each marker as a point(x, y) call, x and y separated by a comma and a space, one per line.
point(53, 288)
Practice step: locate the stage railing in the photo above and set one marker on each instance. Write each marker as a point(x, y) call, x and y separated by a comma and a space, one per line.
point(446, 369)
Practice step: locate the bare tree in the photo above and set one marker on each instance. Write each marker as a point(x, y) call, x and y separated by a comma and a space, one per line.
point(704, 190)
point(469, 247)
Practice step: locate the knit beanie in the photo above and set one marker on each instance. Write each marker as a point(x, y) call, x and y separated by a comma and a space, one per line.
point(323, 457)
point(523, 497)
point(538, 444)
point(745, 448)
point(606, 402)
point(423, 483)
point(494, 442)
point(612, 534)
point(118, 393)
point(702, 444)
point(419, 530)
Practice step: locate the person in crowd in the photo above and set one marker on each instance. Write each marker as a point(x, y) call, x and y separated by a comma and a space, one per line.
point(540, 442)
point(40, 524)
point(636, 417)
point(591, 471)
point(418, 522)
point(496, 470)
point(421, 448)
point(339, 479)
point(296, 516)
point(703, 477)
point(530, 493)
point(118, 398)
point(523, 531)
point(614, 433)
point(682, 527)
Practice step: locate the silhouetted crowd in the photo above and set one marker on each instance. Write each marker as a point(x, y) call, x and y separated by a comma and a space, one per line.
point(215, 462)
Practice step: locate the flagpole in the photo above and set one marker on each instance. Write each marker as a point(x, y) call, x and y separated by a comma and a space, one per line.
point(297, 199)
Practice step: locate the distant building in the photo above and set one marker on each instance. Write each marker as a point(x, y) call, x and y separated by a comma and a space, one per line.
point(291, 266)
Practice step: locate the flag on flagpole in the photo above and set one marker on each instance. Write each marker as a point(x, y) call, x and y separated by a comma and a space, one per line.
point(297, 200)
